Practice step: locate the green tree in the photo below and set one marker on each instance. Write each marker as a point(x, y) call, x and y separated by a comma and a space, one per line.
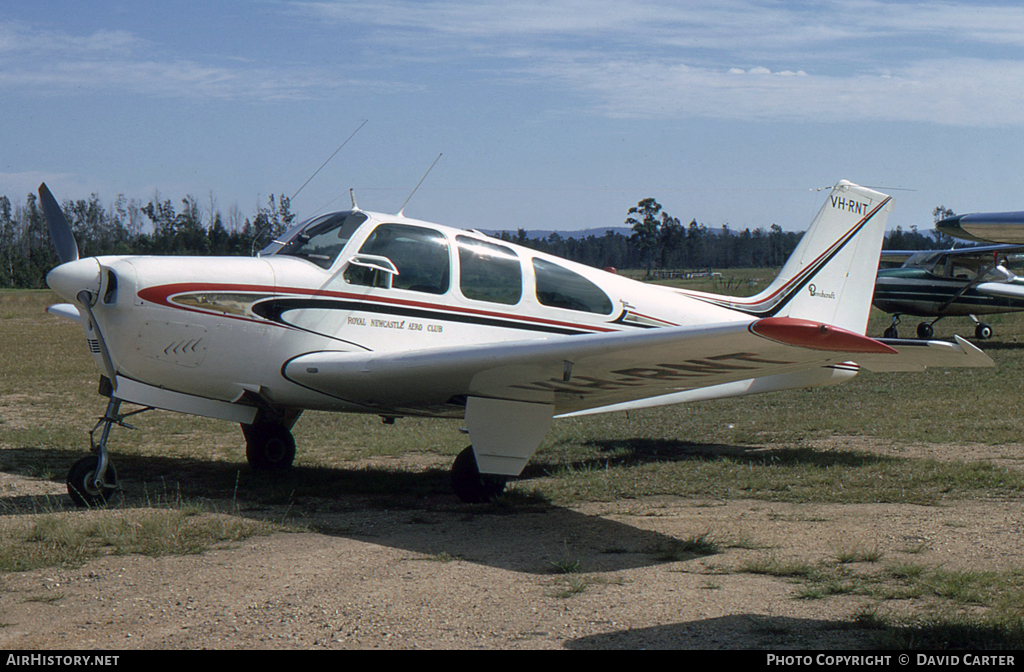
point(643, 221)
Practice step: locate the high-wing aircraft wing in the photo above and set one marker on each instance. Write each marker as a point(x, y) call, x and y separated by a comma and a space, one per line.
point(985, 227)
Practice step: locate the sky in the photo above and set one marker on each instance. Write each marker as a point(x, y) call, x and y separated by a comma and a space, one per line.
point(555, 114)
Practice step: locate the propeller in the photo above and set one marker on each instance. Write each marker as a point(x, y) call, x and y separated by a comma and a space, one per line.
point(60, 231)
point(73, 278)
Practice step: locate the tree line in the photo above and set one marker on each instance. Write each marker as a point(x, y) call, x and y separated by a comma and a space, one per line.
point(129, 226)
point(659, 242)
point(656, 242)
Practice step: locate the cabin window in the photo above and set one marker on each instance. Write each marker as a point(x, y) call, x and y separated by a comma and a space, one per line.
point(323, 239)
point(561, 288)
point(489, 272)
point(420, 255)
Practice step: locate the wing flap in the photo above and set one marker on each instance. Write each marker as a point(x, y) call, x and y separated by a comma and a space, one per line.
point(580, 372)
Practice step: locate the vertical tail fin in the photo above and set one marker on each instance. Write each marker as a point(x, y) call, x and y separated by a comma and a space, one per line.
point(830, 277)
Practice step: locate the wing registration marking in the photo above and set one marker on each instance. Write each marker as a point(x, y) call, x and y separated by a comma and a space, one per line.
point(641, 376)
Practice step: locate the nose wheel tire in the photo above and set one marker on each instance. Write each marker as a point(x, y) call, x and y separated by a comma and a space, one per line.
point(82, 486)
point(470, 485)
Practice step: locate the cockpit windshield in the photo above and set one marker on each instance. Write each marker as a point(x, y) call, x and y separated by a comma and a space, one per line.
point(322, 239)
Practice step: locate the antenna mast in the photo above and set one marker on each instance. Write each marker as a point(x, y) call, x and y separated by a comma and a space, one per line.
point(401, 212)
point(328, 160)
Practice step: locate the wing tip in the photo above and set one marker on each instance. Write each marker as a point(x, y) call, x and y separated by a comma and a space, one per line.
point(802, 333)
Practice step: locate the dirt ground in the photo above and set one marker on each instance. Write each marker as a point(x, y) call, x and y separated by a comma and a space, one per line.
point(413, 579)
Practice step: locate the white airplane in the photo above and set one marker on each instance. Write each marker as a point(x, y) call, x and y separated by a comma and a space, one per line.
point(366, 312)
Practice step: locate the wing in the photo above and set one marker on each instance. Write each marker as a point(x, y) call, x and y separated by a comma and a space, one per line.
point(984, 251)
point(985, 227)
point(581, 372)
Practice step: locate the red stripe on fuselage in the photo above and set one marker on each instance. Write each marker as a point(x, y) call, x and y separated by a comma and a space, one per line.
point(161, 293)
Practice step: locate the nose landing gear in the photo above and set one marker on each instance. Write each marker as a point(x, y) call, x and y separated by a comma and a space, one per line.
point(92, 480)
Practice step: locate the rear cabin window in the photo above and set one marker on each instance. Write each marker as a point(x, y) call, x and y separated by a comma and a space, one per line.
point(420, 255)
point(559, 287)
point(489, 272)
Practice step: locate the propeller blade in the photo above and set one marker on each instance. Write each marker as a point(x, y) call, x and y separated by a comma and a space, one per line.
point(60, 231)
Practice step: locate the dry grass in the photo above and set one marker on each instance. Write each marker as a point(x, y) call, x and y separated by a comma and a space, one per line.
point(763, 447)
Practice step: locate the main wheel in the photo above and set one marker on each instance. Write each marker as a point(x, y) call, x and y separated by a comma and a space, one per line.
point(470, 485)
point(269, 446)
point(983, 331)
point(82, 483)
point(925, 331)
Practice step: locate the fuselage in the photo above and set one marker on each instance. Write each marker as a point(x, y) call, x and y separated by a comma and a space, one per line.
point(219, 327)
point(918, 291)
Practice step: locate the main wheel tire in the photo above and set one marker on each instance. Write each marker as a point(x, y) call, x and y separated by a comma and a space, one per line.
point(925, 331)
point(81, 483)
point(470, 485)
point(269, 447)
point(983, 332)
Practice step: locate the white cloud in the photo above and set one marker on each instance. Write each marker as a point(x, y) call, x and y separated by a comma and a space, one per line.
point(852, 59)
point(843, 60)
point(105, 61)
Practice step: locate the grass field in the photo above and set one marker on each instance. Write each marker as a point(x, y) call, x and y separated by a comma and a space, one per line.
point(761, 447)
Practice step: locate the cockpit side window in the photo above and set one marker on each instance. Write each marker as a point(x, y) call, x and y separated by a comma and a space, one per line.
point(420, 255)
point(323, 239)
point(561, 288)
point(489, 272)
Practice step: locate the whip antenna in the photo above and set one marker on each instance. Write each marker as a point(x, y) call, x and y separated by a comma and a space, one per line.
point(402, 210)
point(328, 159)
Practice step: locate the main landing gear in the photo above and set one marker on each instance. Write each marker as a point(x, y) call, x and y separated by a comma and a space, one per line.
point(269, 444)
point(470, 485)
point(925, 330)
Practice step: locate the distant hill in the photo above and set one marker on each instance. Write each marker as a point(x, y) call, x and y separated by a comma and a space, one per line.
point(579, 234)
point(583, 233)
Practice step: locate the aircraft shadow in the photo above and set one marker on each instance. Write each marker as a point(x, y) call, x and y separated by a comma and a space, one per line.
point(740, 631)
point(413, 511)
point(629, 452)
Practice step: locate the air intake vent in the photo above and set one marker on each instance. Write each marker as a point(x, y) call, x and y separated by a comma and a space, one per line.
point(94, 345)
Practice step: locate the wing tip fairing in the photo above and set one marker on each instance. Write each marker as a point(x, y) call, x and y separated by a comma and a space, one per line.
point(802, 333)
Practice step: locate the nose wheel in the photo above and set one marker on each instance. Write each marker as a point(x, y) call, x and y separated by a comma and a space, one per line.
point(88, 486)
point(92, 480)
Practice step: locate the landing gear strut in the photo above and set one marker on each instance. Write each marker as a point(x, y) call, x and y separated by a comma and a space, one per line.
point(982, 331)
point(92, 480)
point(892, 331)
point(470, 485)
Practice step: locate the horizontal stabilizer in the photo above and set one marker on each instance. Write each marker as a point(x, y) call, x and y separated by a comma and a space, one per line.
point(915, 355)
point(67, 310)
